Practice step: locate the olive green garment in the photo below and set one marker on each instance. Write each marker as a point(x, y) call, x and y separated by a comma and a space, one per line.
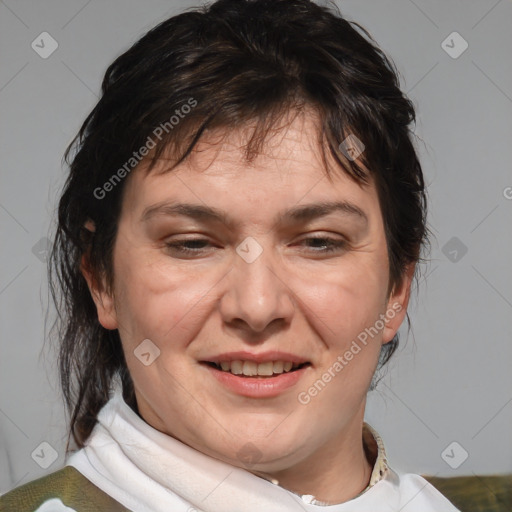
point(476, 493)
point(68, 485)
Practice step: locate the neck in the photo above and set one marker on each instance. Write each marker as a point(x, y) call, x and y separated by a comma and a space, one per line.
point(335, 473)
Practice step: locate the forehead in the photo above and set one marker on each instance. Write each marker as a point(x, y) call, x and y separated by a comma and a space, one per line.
point(289, 169)
point(293, 136)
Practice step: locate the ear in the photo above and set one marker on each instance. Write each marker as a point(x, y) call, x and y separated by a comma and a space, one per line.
point(105, 304)
point(398, 301)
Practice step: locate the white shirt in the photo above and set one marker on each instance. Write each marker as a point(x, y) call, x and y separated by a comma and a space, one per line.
point(148, 471)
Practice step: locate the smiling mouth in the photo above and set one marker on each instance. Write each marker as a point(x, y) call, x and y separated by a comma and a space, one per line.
point(252, 369)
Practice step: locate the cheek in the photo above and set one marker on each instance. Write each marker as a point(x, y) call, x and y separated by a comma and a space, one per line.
point(346, 299)
point(160, 301)
point(343, 310)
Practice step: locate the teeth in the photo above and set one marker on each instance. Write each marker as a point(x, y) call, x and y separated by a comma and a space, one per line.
point(266, 368)
point(251, 368)
point(278, 366)
point(237, 367)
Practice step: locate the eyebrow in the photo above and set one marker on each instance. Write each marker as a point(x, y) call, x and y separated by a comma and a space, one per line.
point(296, 214)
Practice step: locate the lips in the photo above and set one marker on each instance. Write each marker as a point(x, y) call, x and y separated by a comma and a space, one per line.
point(253, 378)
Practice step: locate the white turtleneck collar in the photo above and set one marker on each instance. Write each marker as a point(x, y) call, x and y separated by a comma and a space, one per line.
point(148, 471)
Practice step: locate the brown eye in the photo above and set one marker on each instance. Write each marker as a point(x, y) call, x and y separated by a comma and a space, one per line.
point(184, 246)
point(324, 245)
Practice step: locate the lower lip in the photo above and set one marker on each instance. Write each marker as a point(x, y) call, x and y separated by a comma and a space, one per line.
point(257, 387)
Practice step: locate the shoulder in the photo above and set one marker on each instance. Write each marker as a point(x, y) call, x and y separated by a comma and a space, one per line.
point(66, 490)
point(417, 494)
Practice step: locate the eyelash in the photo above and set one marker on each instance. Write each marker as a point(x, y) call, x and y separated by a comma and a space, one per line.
point(333, 245)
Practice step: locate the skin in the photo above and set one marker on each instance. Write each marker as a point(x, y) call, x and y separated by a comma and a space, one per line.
point(293, 298)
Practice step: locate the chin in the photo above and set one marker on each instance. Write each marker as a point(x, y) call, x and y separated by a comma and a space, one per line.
point(261, 454)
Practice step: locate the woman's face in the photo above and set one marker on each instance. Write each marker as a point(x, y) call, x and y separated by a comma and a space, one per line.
point(272, 281)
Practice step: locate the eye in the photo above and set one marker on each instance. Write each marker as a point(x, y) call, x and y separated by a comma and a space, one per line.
point(196, 246)
point(183, 246)
point(329, 244)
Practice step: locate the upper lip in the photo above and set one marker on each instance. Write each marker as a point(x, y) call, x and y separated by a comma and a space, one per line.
point(261, 357)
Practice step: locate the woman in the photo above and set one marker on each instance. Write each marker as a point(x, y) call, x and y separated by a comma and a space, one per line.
point(236, 244)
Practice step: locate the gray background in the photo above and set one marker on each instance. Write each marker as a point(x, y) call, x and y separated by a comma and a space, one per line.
point(451, 380)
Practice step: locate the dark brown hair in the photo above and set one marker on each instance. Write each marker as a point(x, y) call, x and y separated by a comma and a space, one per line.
point(234, 62)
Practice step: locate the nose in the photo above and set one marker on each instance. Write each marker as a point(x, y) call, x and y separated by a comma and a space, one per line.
point(257, 295)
